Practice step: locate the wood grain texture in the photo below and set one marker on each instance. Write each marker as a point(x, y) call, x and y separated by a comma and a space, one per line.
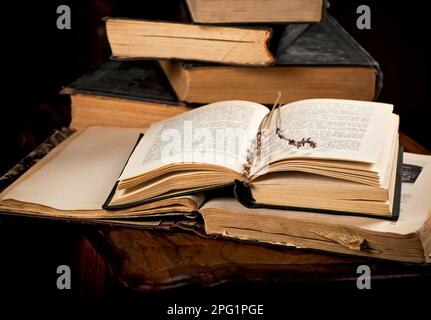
point(412, 146)
point(155, 260)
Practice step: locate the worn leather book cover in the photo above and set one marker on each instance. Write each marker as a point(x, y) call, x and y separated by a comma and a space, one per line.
point(136, 80)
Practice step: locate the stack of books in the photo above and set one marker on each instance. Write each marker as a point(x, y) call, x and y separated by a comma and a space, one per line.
point(321, 170)
point(205, 52)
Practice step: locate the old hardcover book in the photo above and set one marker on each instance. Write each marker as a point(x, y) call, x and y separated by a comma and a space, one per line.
point(72, 182)
point(407, 239)
point(74, 179)
point(319, 154)
point(130, 94)
point(323, 61)
point(253, 11)
point(145, 39)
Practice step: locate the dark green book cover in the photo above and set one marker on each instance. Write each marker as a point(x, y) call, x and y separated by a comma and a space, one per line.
point(136, 80)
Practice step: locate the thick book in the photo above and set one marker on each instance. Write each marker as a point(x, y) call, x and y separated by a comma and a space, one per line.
point(173, 35)
point(256, 11)
point(319, 154)
point(145, 39)
point(318, 61)
point(73, 180)
point(122, 93)
point(407, 239)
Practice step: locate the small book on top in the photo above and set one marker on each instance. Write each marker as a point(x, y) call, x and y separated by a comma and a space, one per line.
point(255, 11)
point(326, 155)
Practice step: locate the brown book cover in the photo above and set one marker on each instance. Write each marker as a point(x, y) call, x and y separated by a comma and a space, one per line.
point(322, 60)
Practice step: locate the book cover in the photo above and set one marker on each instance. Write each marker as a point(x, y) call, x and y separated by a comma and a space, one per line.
point(312, 61)
point(136, 80)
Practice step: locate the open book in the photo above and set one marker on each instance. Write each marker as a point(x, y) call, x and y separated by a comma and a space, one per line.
point(72, 182)
point(320, 154)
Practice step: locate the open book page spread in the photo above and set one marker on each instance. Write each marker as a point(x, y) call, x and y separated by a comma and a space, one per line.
point(217, 134)
point(339, 129)
point(80, 176)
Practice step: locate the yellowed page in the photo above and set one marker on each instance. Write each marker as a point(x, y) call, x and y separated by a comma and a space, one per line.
point(342, 129)
point(81, 176)
point(219, 134)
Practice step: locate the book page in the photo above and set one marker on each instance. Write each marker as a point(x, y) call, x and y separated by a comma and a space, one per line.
point(80, 173)
point(330, 129)
point(218, 134)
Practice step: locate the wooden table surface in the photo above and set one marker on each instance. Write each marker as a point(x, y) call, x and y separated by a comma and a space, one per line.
point(157, 260)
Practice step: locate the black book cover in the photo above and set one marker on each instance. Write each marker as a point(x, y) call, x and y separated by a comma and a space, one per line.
point(135, 80)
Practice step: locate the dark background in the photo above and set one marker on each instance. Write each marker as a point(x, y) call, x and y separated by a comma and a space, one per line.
point(41, 59)
point(38, 59)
